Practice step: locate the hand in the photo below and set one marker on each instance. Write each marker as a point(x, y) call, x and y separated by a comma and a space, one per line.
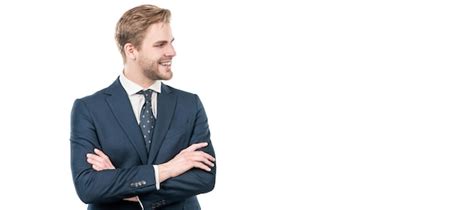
point(187, 159)
point(100, 161)
point(133, 199)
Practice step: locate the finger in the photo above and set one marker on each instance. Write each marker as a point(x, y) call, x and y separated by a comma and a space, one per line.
point(96, 159)
point(95, 163)
point(101, 154)
point(208, 156)
point(203, 160)
point(194, 147)
point(92, 157)
point(90, 161)
point(207, 162)
point(201, 166)
point(205, 155)
point(104, 161)
point(134, 199)
point(97, 168)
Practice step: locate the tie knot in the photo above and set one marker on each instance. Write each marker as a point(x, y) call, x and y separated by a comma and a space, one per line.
point(147, 94)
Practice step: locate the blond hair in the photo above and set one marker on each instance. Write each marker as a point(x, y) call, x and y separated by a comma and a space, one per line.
point(133, 24)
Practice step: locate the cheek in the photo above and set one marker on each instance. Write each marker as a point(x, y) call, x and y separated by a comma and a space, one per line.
point(151, 55)
point(150, 61)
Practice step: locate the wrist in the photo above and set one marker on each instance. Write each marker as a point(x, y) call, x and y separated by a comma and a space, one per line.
point(164, 172)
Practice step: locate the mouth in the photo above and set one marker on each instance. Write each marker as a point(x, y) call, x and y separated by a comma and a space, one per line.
point(165, 63)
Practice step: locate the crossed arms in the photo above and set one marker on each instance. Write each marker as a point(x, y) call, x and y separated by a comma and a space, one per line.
point(97, 180)
point(187, 159)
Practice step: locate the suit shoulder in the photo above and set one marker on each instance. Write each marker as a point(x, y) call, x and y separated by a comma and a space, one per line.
point(101, 94)
point(184, 97)
point(95, 96)
point(180, 93)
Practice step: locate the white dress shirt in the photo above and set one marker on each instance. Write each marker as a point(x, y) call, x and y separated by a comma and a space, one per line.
point(137, 100)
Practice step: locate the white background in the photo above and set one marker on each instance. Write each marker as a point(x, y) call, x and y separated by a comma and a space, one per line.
point(312, 104)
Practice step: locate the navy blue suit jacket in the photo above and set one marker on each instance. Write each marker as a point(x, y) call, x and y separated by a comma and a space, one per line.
point(105, 120)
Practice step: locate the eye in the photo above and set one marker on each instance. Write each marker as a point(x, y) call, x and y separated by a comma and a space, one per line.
point(160, 45)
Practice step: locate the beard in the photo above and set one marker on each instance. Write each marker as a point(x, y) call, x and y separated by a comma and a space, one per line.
point(154, 71)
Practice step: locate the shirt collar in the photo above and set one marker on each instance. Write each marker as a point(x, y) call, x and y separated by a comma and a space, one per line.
point(132, 87)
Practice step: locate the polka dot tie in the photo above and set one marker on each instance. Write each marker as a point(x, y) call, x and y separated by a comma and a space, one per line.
point(147, 120)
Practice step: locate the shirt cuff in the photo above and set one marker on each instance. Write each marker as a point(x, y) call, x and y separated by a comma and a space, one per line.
point(140, 202)
point(157, 177)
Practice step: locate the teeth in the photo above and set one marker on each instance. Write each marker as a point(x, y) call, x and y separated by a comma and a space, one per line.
point(166, 63)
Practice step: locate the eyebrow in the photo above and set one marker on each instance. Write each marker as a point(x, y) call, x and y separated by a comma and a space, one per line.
point(163, 41)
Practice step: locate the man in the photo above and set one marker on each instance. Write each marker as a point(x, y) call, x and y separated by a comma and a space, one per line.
point(140, 143)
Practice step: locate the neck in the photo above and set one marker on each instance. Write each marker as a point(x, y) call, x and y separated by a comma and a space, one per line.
point(135, 75)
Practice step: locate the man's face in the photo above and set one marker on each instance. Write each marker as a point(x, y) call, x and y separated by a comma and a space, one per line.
point(156, 53)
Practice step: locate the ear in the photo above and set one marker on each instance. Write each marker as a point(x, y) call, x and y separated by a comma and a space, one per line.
point(130, 51)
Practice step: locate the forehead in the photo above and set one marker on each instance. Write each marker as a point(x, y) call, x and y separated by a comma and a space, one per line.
point(158, 32)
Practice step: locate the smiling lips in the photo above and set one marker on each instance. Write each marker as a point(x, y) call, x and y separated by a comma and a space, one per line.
point(165, 63)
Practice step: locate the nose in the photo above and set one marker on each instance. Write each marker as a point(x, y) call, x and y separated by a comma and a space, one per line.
point(170, 52)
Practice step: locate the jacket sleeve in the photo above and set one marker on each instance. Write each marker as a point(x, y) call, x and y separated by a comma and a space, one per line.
point(107, 185)
point(192, 182)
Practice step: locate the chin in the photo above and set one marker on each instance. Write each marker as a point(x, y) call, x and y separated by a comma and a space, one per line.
point(166, 76)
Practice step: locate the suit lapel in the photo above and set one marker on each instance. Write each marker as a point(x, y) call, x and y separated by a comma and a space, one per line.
point(122, 110)
point(166, 106)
